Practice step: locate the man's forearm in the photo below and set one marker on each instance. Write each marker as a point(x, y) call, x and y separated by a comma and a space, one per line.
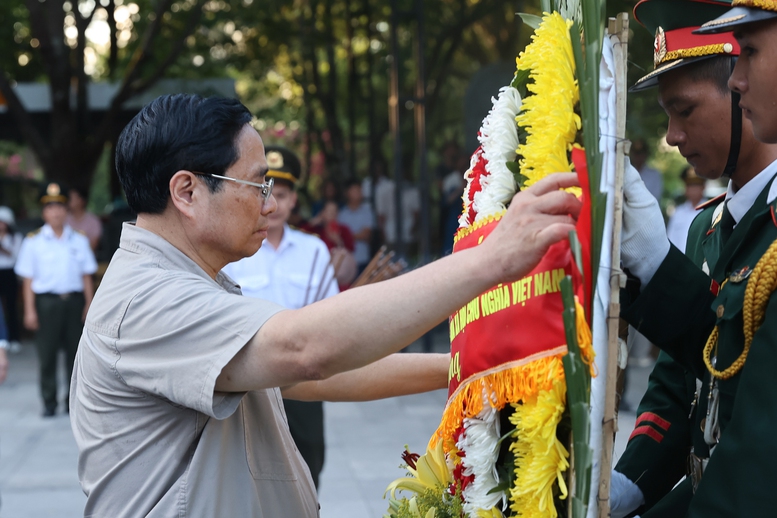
point(88, 290)
point(28, 297)
point(362, 325)
point(394, 375)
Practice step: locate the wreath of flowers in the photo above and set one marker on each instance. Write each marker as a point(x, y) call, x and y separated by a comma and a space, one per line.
point(522, 139)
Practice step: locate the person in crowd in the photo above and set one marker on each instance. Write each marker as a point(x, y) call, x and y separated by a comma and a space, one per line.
point(692, 306)
point(3, 349)
point(375, 182)
point(80, 219)
point(339, 241)
point(452, 190)
point(357, 216)
point(293, 269)
point(445, 181)
point(56, 265)
point(684, 214)
point(652, 177)
point(385, 208)
point(330, 191)
point(176, 396)
point(10, 243)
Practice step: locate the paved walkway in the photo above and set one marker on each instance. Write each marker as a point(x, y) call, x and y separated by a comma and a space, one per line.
point(38, 473)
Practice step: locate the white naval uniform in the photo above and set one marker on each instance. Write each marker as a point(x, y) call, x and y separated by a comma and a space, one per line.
point(55, 264)
point(680, 223)
point(284, 275)
point(294, 275)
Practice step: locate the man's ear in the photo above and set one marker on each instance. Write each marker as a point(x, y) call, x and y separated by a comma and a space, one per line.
point(183, 191)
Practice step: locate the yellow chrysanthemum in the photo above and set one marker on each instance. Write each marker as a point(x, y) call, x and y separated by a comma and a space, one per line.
point(540, 458)
point(494, 512)
point(549, 115)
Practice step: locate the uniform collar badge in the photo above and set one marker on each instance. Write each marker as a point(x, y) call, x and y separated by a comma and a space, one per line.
point(717, 219)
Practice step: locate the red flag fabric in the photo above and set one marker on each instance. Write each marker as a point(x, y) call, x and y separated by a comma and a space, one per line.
point(513, 322)
point(583, 227)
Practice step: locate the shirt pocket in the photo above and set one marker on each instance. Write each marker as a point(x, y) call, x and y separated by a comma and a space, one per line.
point(729, 302)
point(304, 289)
point(270, 450)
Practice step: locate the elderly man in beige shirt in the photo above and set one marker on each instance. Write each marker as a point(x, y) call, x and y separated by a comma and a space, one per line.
point(176, 393)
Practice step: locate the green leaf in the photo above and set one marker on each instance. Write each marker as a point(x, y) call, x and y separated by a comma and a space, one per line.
point(520, 82)
point(515, 168)
point(532, 20)
point(577, 252)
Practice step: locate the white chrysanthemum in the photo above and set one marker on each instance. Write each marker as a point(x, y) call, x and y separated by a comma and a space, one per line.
point(480, 445)
point(499, 140)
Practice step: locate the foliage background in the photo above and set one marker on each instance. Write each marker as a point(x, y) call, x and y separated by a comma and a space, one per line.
point(314, 72)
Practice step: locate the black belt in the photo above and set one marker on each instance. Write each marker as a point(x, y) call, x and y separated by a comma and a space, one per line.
point(63, 296)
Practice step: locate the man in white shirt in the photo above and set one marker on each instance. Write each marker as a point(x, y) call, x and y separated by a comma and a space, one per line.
point(681, 219)
point(385, 207)
point(358, 217)
point(56, 266)
point(650, 176)
point(292, 269)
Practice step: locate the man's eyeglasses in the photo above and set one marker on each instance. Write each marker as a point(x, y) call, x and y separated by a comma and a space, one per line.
point(265, 188)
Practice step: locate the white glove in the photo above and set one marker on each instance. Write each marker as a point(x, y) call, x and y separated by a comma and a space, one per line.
point(644, 244)
point(625, 495)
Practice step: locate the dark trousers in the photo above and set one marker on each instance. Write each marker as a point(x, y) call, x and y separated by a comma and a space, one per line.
point(59, 327)
point(9, 296)
point(306, 423)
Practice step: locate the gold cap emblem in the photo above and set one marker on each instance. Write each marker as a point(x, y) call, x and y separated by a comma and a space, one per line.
point(274, 160)
point(659, 47)
point(53, 189)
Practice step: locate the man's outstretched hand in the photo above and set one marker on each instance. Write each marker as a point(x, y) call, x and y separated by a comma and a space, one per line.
point(537, 218)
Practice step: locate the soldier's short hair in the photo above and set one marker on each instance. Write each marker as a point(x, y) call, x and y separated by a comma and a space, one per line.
point(716, 70)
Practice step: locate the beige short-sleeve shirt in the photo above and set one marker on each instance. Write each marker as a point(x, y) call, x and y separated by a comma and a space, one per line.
point(154, 438)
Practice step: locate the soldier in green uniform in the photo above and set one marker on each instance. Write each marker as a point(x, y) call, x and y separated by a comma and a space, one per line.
point(696, 315)
point(754, 23)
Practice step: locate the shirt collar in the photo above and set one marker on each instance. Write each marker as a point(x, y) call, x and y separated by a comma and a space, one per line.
point(740, 202)
point(48, 232)
point(288, 239)
point(140, 240)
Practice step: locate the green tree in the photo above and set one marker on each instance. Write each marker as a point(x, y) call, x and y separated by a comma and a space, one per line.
point(46, 40)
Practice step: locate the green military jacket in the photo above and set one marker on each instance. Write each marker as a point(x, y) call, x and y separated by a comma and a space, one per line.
point(657, 452)
point(677, 311)
point(656, 455)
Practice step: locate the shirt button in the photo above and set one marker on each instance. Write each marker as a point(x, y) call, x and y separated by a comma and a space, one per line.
point(720, 311)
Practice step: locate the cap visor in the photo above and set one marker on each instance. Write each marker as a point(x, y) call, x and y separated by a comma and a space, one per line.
point(734, 18)
point(650, 80)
